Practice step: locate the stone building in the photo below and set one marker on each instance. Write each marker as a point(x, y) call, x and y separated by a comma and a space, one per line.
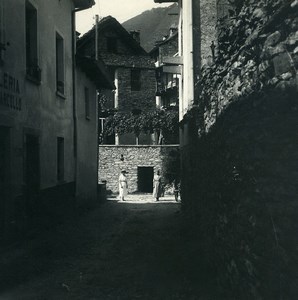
point(129, 65)
point(91, 78)
point(238, 144)
point(42, 111)
point(133, 72)
point(167, 75)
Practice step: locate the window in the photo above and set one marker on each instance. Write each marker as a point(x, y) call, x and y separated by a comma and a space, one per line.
point(31, 42)
point(112, 45)
point(87, 104)
point(60, 64)
point(135, 80)
point(2, 39)
point(60, 159)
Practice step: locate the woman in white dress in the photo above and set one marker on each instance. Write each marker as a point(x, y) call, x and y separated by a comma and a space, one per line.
point(122, 185)
point(157, 186)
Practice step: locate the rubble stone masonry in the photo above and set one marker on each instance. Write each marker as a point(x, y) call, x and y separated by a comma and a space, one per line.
point(240, 167)
point(110, 163)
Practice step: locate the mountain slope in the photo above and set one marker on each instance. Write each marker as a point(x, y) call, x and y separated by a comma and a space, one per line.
point(153, 24)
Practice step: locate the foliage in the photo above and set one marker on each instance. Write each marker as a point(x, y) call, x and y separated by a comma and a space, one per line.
point(225, 183)
point(165, 121)
point(250, 15)
point(171, 166)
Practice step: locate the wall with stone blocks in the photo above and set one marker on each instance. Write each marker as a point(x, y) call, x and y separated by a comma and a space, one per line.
point(143, 99)
point(240, 172)
point(110, 164)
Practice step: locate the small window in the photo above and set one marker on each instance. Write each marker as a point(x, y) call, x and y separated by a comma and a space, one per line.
point(87, 104)
point(60, 159)
point(135, 80)
point(112, 45)
point(2, 31)
point(60, 64)
point(31, 42)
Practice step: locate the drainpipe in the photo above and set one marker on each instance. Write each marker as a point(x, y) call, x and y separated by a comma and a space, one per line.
point(74, 107)
point(96, 37)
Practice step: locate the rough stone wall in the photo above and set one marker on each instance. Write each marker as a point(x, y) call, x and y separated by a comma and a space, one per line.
point(169, 48)
point(124, 61)
point(268, 60)
point(143, 99)
point(207, 28)
point(110, 165)
point(240, 165)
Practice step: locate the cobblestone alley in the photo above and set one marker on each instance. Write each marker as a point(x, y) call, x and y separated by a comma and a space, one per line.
point(129, 250)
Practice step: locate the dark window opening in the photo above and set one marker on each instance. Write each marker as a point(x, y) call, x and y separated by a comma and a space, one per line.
point(2, 40)
point(135, 80)
point(32, 172)
point(60, 159)
point(59, 64)
point(32, 67)
point(112, 45)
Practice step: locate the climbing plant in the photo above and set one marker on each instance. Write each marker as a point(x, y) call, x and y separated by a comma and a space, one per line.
point(162, 122)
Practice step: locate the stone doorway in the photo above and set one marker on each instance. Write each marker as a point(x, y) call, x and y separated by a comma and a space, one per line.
point(4, 173)
point(145, 179)
point(32, 172)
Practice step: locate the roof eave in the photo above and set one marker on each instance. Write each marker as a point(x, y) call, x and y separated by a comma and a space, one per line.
point(96, 72)
point(83, 4)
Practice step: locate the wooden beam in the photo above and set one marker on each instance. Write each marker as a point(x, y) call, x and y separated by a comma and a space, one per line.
point(162, 1)
point(172, 69)
point(172, 60)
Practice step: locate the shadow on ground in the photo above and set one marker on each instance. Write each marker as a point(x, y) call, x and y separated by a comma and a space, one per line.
point(130, 250)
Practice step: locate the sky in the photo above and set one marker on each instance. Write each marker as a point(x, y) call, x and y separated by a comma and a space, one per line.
point(122, 10)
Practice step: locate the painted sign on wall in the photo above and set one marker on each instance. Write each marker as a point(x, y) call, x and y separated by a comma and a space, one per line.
point(10, 91)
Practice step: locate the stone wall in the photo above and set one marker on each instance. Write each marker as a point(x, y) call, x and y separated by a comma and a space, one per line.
point(169, 48)
point(143, 99)
point(110, 164)
point(240, 165)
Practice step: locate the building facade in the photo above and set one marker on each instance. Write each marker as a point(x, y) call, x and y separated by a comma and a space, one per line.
point(133, 72)
point(41, 117)
point(167, 76)
point(129, 65)
point(238, 148)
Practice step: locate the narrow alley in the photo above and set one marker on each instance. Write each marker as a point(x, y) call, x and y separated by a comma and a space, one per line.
point(121, 250)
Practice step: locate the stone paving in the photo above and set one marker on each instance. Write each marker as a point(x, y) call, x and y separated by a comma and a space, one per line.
point(128, 250)
point(147, 198)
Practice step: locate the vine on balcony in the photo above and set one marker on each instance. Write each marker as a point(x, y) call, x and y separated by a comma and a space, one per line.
point(160, 121)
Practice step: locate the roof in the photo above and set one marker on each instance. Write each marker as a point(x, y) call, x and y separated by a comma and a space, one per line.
point(96, 72)
point(107, 22)
point(83, 4)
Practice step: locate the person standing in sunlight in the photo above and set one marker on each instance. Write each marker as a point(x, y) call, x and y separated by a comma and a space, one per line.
point(123, 186)
point(157, 188)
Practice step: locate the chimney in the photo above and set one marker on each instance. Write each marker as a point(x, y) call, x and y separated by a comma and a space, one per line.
point(135, 35)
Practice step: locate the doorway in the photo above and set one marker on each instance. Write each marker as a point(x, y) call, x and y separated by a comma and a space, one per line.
point(4, 174)
point(145, 179)
point(32, 172)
